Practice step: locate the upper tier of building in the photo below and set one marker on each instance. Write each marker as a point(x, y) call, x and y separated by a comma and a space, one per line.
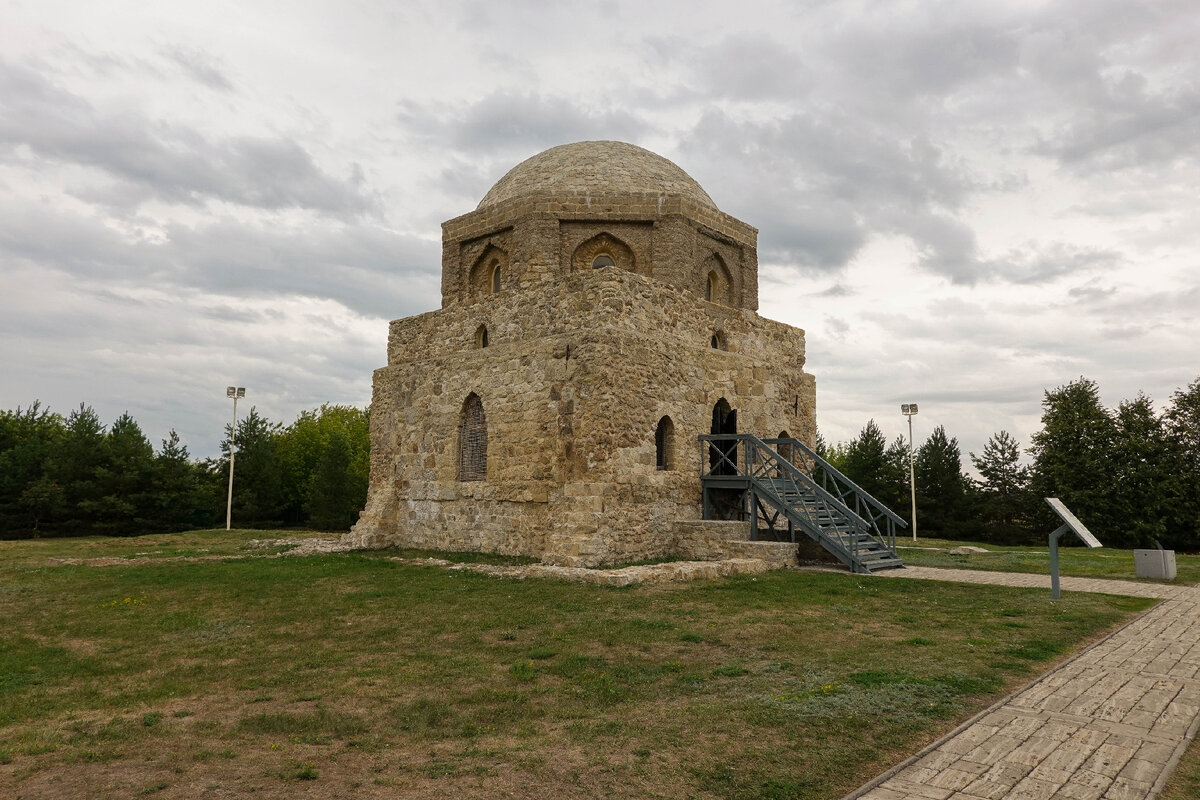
point(598, 205)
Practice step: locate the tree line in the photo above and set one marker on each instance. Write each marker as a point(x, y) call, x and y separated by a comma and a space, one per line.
point(74, 476)
point(1131, 474)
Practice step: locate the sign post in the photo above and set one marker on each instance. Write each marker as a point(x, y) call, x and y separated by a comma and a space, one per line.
point(1070, 523)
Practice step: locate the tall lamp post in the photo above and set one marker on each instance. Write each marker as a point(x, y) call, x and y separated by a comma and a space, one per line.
point(235, 392)
point(908, 409)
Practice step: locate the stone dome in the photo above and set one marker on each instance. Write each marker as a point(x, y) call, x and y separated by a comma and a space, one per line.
point(587, 168)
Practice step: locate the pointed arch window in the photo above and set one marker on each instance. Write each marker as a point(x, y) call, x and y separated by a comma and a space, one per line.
point(495, 277)
point(472, 441)
point(708, 287)
point(481, 336)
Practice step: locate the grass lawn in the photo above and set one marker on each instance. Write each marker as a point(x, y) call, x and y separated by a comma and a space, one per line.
point(355, 675)
point(1079, 562)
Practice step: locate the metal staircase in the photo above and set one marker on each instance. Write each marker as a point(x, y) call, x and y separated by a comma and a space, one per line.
point(825, 505)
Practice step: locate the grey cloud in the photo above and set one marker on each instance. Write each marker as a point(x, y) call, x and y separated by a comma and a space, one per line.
point(837, 290)
point(370, 270)
point(200, 67)
point(167, 162)
point(1038, 264)
point(517, 123)
point(738, 67)
point(817, 184)
point(374, 272)
point(906, 53)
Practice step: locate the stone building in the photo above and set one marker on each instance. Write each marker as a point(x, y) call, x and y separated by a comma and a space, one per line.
point(598, 314)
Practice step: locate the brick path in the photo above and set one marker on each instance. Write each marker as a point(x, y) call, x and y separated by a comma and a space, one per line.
point(1110, 724)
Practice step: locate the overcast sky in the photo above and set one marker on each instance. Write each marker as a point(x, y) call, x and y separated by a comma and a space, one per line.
point(963, 204)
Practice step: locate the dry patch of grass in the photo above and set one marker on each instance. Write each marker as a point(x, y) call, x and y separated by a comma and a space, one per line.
point(354, 674)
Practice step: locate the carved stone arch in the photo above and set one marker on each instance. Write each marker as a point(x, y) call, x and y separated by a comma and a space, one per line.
point(598, 251)
point(490, 272)
point(716, 281)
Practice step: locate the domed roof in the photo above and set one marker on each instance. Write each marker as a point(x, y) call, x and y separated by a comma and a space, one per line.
point(596, 168)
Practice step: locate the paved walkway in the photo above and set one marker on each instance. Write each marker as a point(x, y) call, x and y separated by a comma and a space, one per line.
point(1110, 724)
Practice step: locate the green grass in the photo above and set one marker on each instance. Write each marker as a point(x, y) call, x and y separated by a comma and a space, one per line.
point(1079, 562)
point(1184, 783)
point(356, 669)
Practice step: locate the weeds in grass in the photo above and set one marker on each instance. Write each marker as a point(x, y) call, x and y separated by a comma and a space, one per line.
point(305, 771)
point(523, 671)
point(151, 718)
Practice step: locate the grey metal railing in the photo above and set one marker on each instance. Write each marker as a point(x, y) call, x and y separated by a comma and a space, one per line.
point(771, 476)
point(884, 521)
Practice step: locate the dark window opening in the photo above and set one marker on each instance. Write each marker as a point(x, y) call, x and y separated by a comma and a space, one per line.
point(722, 456)
point(664, 444)
point(603, 261)
point(495, 278)
point(481, 336)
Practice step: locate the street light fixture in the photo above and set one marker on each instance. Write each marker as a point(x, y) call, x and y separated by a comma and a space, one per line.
point(235, 392)
point(908, 409)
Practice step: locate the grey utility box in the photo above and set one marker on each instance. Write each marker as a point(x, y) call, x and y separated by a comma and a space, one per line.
point(1158, 564)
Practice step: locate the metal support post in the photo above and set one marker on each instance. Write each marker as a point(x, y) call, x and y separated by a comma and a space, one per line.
point(1054, 590)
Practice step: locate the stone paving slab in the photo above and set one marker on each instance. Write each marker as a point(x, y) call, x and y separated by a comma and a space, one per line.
point(1110, 724)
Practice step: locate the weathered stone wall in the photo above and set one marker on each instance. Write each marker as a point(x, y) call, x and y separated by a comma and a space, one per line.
point(578, 366)
point(671, 239)
point(574, 382)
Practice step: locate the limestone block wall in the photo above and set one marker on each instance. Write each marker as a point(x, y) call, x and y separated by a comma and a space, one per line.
point(574, 381)
point(671, 238)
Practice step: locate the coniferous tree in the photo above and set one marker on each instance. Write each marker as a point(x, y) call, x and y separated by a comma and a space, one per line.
point(896, 457)
point(1142, 476)
point(334, 499)
point(258, 488)
point(28, 498)
point(1005, 502)
point(1182, 422)
point(943, 507)
point(1073, 456)
point(867, 463)
point(123, 480)
point(73, 464)
point(177, 497)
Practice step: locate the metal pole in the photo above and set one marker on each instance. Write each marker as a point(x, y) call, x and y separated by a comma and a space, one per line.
point(1054, 592)
point(232, 453)
point(912, 483)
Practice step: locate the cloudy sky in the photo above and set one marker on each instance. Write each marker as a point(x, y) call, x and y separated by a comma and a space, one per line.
point(964, 204)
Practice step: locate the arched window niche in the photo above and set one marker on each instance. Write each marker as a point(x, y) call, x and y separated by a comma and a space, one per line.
point(603, 250)
point(664, 444)
point(481, 336)
point(472, 440)
point(717, 341)
point(717, 286)
point(488, 272)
